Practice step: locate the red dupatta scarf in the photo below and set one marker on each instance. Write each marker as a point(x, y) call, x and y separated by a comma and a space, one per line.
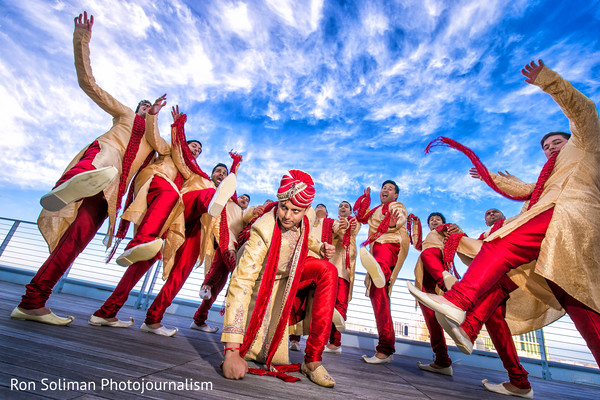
point(264, 295)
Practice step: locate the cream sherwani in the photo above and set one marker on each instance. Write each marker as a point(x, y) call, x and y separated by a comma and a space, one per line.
point(245, 283)
point(113, 143)
point(569, 253)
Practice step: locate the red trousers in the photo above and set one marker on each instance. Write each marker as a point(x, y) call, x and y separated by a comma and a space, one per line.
point(433, 267)
point(320, 276)
point(216, 279)
point(196, 204)
point(119, 296)
point(91, 214)
point(161, 199)
point(83, 165)
point(586, 320)
point(341, 304)
point(386, 255)
point(519, 247)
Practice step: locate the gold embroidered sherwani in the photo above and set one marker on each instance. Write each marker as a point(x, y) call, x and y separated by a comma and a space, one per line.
point(113, 143)
point(398, 234)
point(569, 253)
point(339, 258)
point(245, 283)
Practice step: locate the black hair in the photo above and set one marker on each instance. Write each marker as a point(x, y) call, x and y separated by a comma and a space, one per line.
point(140, 103)
point(344, 201)
point(245, 194)
point(436, 214)
point(219, 165)
point(547, 135)
point(321, 204)
point(194, 141)
point(392, 183)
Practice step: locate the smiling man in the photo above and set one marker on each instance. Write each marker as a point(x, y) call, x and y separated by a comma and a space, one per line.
point(272, 275)
point(557, 227)
point(389, 246)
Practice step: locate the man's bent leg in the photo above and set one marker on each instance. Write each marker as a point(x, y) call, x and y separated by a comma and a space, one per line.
point(505, 346)
point(185, 259)
point(323, 275)
point(91, 214)
point(119, 296)
point(386, 255)
point(161, 199)
point(216, 282)
point(83, 165)
point(498, 257)
point(436, 333)
point(341, 304)
point(586, 320)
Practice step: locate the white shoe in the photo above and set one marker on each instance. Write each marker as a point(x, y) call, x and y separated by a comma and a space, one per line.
point(442, 371)
point(85, 184)
point(338, 321)
point(499, 388)
point(376, 360)
point(462, 342)
point(204, 328)
point(294, 345)
point(449, 279)
point(50, 319)
point(205, 292)
point(99, 321)
point(372, 267)
point(141, 252)
point(224, 192)
point(337, 350)
point(453, 313)
point(162, 331)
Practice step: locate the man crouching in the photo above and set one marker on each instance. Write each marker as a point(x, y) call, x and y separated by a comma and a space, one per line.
point(270, 285)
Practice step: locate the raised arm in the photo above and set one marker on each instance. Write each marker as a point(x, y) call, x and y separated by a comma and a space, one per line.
point(580, 110)
point(152, 134)
point(85, 77)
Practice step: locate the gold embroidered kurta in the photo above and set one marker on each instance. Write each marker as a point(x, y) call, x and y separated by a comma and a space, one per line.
point(398, 234)
point(569, 253)
point(112, 144)
point(245, 283)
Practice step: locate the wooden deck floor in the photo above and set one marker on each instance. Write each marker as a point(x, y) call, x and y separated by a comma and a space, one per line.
point(40, 357)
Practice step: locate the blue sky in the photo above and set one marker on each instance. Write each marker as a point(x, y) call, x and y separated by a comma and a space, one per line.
point(350, 92)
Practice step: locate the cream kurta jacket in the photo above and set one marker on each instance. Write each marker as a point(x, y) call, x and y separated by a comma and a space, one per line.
point(113, 143)
point(393, 235)
point(569, 253)
point(245, 283)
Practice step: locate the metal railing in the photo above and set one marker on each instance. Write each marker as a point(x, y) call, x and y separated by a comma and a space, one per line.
point(23, 248)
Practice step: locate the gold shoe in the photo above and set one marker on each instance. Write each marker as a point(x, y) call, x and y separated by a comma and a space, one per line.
point(141, 252)
point(224, 191)
point(463, 343)
point(338, 321)
point(499, 388)
point(442, 371)
point(449, 279)
point(453, 313)
point(372, 267)
point(99, 321)
point(85, 184)
point(320, 376)
point(50, 319)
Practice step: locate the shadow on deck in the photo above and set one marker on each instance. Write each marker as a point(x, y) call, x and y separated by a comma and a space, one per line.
point(86, 362)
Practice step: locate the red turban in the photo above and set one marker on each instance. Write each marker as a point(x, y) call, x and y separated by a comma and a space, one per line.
point(296, 187)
